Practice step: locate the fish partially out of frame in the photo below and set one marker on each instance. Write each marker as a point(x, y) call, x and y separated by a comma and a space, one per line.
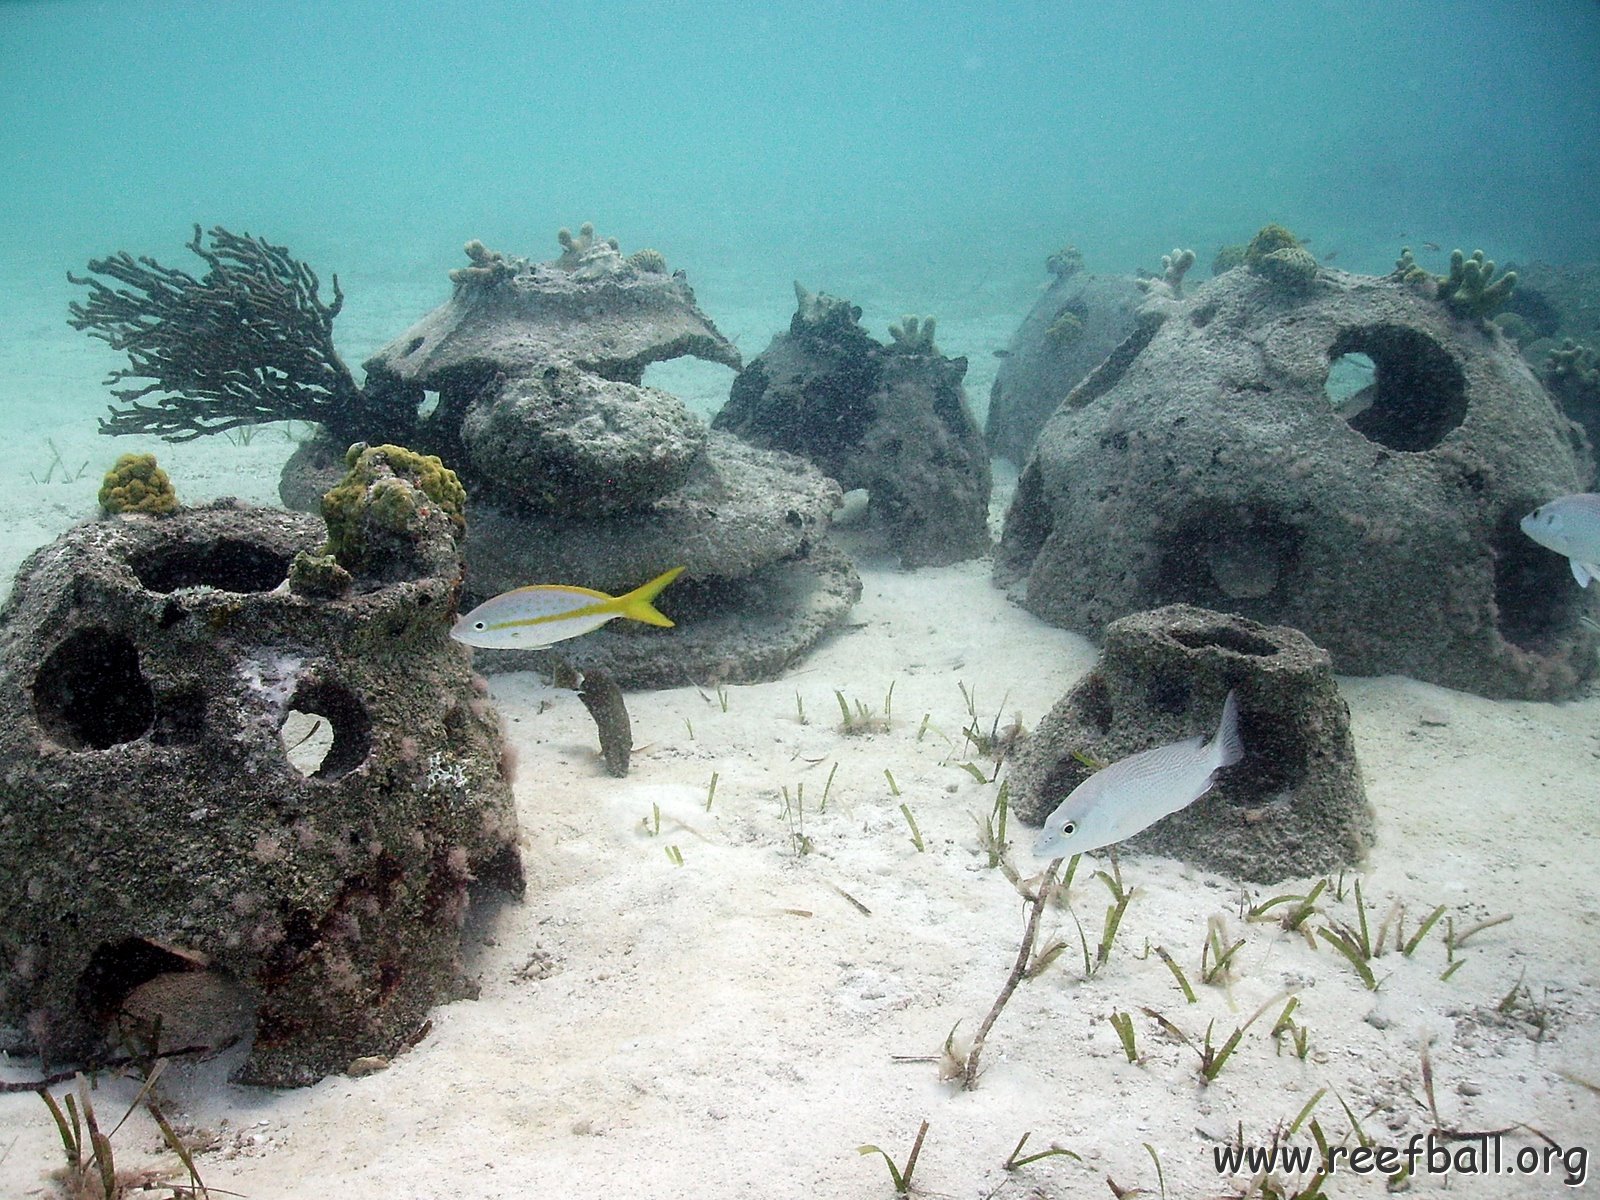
point(1570, 525)
point(1134, 793)
point(531, 618)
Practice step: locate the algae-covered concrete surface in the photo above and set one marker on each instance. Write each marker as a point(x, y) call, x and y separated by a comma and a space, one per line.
point(741, 1023)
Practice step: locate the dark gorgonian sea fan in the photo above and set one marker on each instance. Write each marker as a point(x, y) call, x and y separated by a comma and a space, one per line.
point(248, 342)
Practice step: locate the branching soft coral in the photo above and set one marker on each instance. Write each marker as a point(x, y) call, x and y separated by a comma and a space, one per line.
point(250, 341)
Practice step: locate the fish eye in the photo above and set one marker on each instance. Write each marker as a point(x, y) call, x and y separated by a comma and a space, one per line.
point(1069, 829)
point(480, 625)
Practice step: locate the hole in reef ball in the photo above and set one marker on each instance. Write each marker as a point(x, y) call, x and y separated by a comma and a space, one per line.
point(1418, 392)
point(326, 732)
point(1240, 641)
point(1227, 555)
point(89, 692)
point(116, 968)
point(227, 564)
point(1531, 589)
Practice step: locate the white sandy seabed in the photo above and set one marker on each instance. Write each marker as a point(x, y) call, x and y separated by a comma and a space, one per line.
point(737, 1025)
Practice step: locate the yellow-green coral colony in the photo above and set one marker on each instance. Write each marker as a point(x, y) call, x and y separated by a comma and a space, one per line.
point(1407, 269)
point(1277, 255)
point(648, 262)
point(1175, 266)
point(365, 492)
point(574, 248)
point(1065, 329)
point(1573, 364)
point(1292, 267)
point(1065, 262)
point(820, 311)
point(1469, 290)
point(136, 485)
point(492, 267)
point(1267, 239)
point(318, 575)
point(1472, 290)
point(488, 266)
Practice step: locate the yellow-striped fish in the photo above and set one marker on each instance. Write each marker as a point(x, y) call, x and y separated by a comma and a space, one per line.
point(531, 618)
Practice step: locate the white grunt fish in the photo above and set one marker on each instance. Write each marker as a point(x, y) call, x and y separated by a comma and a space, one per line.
point(531, 618)
point(1134, 793)
point(1570, 526)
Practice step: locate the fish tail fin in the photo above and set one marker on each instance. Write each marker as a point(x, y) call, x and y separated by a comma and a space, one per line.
point(1227, 744)
point(636, 605)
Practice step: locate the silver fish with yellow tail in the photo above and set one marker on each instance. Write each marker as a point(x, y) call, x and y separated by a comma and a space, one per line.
point(534, 617)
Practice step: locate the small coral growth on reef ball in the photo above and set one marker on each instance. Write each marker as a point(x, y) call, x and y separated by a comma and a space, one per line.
point(136, 484)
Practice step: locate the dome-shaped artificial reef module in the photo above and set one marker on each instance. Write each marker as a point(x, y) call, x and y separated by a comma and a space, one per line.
point(1216, 459)
point(529, 382)
point(892, 419)
point(1078, 320)
point(214, 770)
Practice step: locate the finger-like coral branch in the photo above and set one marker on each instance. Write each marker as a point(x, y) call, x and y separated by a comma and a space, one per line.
point(1471, 289)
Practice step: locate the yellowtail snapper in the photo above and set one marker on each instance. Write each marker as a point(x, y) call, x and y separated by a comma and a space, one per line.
point(531, 618)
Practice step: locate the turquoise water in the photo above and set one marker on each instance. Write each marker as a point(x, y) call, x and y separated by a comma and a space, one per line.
point(916, 156)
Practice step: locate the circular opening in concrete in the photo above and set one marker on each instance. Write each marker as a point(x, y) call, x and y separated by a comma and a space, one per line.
point(1418, 392)
point(1095, 703)
point(326, 732)
point(1535, 596)
point(89, 692)
point(227, 564)
point(1277, 755)
point(1225, 637)
point(116, 968)
point(1228, 557)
